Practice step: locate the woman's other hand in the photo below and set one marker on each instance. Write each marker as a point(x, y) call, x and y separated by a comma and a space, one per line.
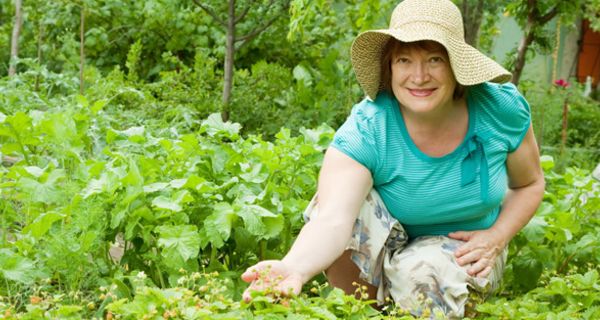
point(526, 189)
point(272, 276)
point(481, 248)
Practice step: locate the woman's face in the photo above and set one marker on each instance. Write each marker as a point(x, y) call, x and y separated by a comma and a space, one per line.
point(422, 79)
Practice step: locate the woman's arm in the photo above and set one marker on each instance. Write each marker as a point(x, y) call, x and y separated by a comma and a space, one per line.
point(526, 190)
point(343, 186)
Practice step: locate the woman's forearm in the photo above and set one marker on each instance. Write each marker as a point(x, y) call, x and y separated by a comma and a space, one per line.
point(526, 188)
point(319, 244)
point(343, 187)
point(518, 208)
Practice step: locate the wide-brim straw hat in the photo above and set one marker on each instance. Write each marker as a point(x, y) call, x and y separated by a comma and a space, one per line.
point(416, 20)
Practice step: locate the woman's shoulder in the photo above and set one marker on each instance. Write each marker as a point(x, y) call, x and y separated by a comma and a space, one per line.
point(500, 103)
point(500, 110)
point(371, 109)
point(498, 97)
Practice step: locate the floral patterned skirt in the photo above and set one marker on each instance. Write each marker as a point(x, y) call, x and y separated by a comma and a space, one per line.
point(419, 274)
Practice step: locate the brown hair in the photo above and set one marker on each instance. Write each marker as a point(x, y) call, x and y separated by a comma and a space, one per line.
point(392, 47)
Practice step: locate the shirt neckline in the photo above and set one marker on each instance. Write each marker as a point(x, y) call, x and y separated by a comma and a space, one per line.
point(420, 154)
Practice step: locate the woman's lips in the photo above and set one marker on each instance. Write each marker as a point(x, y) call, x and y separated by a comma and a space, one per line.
point(421, 92)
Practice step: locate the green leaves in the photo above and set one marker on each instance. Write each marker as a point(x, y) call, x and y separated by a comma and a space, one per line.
point(214, 126)
point(43, 187)
point(527, 270)
point(174, 203)
point(217, 226)
point(260, 222)
point(552, 261)
point(16, 268)
point(572, 296)
point(180, 241)
point(42, 224)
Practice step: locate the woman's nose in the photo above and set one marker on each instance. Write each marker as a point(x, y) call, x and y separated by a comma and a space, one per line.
point(420, 73)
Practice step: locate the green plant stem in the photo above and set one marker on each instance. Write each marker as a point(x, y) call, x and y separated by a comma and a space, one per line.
point(565, 263)
point(7, 288)
point(213, 253)
point(21, 146)
point(263, 249)
point(106, 256)
point(563, 140)
point(160, 276)
point(287, 237)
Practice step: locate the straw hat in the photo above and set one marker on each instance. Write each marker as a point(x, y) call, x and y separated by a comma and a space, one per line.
point(414, 20)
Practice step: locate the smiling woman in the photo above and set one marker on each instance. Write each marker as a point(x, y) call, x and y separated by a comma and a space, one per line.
point(423, 83)
point(429, 178)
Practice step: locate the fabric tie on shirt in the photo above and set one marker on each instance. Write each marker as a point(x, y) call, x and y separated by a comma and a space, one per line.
point(475, 154)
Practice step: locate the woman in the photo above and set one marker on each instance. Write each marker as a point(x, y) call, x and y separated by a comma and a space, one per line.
point(412, 198)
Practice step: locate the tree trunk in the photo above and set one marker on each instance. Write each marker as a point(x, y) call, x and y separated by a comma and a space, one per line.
point(39, 54)
point(229, 59)
point(521, 54)
point(81, 49)
point(472, 11)
point(535, 22)
point(14, 45)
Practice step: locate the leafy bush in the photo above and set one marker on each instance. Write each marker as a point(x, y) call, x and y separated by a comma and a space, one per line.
point(583, 138)
point(179, 196)
point(552, 260)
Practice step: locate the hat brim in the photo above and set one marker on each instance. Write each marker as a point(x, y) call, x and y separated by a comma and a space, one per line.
point(470, 66)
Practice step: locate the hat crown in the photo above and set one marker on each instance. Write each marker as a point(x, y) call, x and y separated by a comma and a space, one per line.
point(439, 12)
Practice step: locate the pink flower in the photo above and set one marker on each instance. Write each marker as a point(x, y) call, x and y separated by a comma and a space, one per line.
point(561, 83)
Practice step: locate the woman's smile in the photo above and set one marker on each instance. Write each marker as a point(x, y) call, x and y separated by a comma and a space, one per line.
point(421, 92)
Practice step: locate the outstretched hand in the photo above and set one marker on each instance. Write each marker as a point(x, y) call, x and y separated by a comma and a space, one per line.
point(481, 248)
point(272, 277)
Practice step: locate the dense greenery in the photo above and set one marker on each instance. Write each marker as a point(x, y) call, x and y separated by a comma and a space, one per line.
point(135, 200)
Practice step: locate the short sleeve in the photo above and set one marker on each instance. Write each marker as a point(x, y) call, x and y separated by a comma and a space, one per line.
point(356, 137)
point(508, 113)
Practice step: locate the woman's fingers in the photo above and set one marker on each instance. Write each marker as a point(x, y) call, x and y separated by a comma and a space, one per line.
point(480, 260)
point(255, 272)
point(289, 287)
point(470, 256)
point(246, 295)
point(461, 235)
point(256, 285)
point(271, 277)
point(466, 236)
point(485, 272)
point(249, 275)
point(478, 250)
point(286, 287)
point(479, 267)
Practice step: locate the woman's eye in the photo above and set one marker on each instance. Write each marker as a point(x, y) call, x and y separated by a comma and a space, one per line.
point(436, 59)
point(402, 60)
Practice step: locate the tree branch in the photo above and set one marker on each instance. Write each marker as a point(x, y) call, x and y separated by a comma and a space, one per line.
point(210, 12)
point(480, 8)
point(245, 12)
point(533, 14)
point(548, 16)
point(532, 4)
point(262, 28)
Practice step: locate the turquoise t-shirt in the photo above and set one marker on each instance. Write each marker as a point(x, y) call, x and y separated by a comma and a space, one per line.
point(462, 190)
